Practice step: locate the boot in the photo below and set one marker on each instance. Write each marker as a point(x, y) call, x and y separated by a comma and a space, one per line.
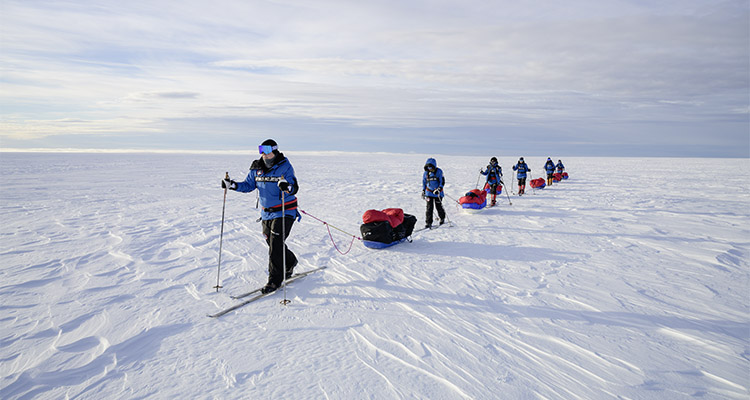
point(270, 287)
point(290, 271)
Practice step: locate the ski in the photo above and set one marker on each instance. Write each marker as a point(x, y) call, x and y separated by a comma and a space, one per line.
point(432, 228)
point(295, 276)
point(236, 297)
point(262, 295)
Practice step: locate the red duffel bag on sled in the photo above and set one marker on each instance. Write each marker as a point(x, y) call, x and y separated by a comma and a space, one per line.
point(394, 216)
point(538, 183)
point(381, 229)
point(475, 199)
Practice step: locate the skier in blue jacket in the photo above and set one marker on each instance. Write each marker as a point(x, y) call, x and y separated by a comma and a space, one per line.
point(560, 167)
point(522, 169)
point(494, 175)
point(550, 168)
point(273, 175)
point(432, 191)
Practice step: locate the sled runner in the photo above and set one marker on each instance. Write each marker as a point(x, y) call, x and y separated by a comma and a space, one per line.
point(386, 228)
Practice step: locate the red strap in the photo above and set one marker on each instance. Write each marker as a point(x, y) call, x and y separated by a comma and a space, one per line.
point(289, 205)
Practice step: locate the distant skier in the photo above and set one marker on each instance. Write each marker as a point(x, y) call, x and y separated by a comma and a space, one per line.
point(560, 167)
point(522, 169)
point(271, 174)
point(494, 175)
point(550, 168)
point(432, 191)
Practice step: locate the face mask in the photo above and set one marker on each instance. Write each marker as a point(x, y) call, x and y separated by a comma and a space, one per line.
point(269, 162)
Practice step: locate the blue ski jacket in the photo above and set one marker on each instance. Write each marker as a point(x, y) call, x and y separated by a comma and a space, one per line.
point(550, 167)
point(432, 180)
point(522, 169)
point(493, 173)
point(560, 167)
point(266, 180)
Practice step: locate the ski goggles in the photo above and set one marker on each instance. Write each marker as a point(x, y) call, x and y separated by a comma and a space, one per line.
point(266, 149)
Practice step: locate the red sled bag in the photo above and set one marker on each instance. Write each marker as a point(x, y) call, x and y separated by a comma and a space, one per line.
point(565, 175)
point(488, 188)
point(395, 216)
point(557, 177)
point(474, 196)
point(374, 216)
point(385, 228)
point(475, 199)
point(537, 183)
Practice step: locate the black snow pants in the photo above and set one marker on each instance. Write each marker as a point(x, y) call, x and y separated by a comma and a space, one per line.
point(272, 230)
point(434, 202)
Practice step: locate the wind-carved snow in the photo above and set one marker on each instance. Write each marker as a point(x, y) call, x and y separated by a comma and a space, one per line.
point(629, 280)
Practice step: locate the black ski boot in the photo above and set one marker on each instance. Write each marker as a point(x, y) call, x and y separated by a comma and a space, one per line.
point(290, 271)
point(270, 287)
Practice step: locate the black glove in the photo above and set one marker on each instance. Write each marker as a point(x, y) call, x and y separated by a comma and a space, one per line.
point(436, 191)
point(423, 195)
point(284, 185)
point(228, 184)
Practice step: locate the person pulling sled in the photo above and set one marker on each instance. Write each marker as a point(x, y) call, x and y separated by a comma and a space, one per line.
point(273, 174)
point(560, 167)
point(494, 174)
point(522, 168)
point(432, 191)
point(550, 168)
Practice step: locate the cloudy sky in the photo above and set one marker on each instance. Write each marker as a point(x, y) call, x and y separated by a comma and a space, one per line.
point(507, 77)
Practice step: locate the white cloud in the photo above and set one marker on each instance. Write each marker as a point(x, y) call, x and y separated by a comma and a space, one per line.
point(389, 64)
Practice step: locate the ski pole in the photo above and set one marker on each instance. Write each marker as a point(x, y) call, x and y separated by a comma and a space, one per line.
point(478, 178)
point(283, 244)
point(450, 223)
point(506, 192)
point(439, 202)
point(221, 235)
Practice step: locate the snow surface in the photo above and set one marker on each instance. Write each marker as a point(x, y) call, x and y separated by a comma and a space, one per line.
point(629, 280)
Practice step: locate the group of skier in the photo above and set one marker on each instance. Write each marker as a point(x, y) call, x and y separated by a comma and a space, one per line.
point(273, 176)
point(522, 169)
point(433, 182)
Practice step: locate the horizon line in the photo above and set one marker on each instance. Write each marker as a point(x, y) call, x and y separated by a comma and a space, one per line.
point(303, 152)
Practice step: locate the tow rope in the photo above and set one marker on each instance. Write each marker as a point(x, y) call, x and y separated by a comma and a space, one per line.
point(329, 226)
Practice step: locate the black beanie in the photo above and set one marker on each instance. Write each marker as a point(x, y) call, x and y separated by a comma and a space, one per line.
point(269, 142)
